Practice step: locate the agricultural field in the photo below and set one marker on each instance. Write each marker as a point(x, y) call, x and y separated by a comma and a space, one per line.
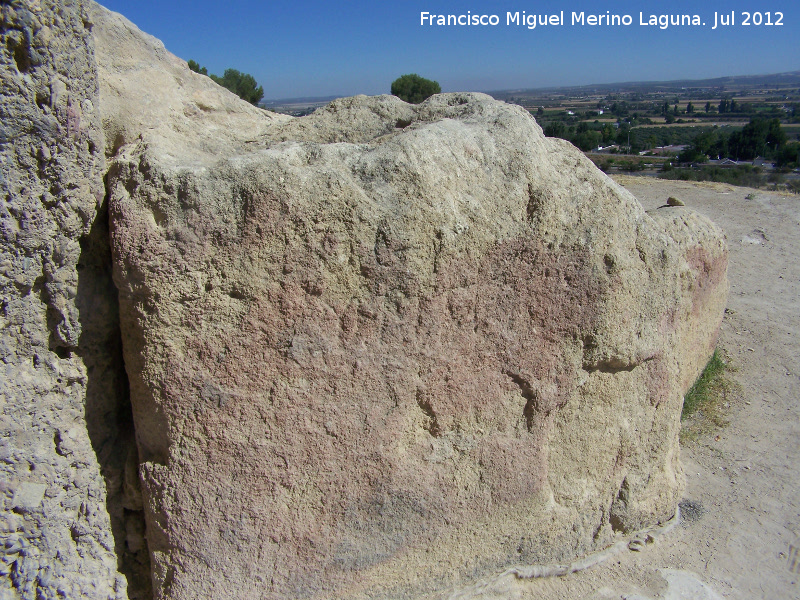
point(664, 113)
point(681, 130)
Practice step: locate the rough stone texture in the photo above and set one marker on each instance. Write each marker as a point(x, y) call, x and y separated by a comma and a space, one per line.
point(146, 91)
point(373, 353)
point(384, 349)
point(61, 394)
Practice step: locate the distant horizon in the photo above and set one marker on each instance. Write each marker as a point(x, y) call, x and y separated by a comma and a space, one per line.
point(317, 49)
point(561, 87)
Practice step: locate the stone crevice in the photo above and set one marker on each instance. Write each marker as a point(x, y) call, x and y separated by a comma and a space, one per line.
point(108, 414)
point(530, 410)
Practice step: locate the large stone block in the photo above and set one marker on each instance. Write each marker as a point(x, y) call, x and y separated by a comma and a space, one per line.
point(372, 353)
point(372, 368)
point(385, 349)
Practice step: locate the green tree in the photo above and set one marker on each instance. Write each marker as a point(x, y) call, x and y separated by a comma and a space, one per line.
point(556, 129)
point(414, 89)
point(243, 85)
point(619, 109)
point(760, 137)
point(586, 139)
point(608, 133)
point(700, 148)
point(776, 136)
point(689, 108)
point(193, 66)
point(789, 155)
point(708, 106)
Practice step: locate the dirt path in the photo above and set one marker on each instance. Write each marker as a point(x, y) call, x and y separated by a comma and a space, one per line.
point(743, 481)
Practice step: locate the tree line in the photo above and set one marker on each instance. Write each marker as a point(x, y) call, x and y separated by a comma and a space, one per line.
point(243, 85)
point(760, 137)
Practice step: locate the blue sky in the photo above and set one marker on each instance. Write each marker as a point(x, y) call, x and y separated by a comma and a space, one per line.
point(325, 47)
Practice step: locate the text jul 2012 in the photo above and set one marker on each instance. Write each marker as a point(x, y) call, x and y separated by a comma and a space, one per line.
point(607, 19)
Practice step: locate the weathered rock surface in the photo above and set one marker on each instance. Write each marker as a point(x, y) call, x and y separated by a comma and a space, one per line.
point(62, 393)
point(373, 353)
point(149, 93)
point(383, 349)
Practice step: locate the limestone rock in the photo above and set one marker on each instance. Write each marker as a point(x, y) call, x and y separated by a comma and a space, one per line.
point(384, 349)
point(59, 386)
point(150, 93)
point(375, 352)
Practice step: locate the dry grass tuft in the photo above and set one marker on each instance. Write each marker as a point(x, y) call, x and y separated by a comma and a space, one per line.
point(707, 403)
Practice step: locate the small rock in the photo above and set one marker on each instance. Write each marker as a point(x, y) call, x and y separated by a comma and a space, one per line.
point(29, 495)
point(691, 510)
point(672, 201)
